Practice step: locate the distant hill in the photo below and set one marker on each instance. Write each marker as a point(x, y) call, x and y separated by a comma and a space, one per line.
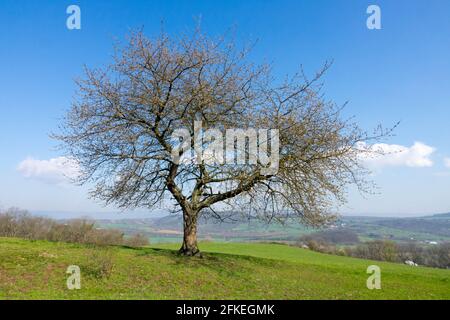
point(438, 216)
point(169, 228)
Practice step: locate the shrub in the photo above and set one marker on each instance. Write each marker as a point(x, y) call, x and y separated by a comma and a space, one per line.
point(100, 264)
point(381, 250)
point(20, 224)
point(411, 251)
point(318, 245)
point(137, 240)
point(438, 256)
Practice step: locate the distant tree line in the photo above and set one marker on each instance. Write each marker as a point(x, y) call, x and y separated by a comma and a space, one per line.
point(336, 236)
point(337, 242)
point(20, 224)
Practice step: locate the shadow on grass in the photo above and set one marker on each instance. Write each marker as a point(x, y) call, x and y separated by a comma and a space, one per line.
point(229, 264)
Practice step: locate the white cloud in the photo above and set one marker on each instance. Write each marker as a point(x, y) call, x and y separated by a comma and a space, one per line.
point(447, 162)
point(393, 155)
point(55, 171)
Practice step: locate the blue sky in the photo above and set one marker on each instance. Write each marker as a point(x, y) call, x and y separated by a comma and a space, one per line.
point(398, 73)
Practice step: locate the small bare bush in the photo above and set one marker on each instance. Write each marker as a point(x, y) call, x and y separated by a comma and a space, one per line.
point(100, 264)
point(137, 240)
point(438, 256)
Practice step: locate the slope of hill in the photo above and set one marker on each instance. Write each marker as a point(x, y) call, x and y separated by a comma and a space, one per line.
point(37, 269)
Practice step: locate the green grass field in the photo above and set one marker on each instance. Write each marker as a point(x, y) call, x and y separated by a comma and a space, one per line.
point(37, 270)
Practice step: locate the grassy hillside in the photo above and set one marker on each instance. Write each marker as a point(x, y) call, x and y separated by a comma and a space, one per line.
point(36, 269)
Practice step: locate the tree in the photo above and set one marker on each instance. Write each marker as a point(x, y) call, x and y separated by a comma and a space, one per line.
point(132, 123)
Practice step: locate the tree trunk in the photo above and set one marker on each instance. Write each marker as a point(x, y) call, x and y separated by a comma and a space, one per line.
point(189, 247)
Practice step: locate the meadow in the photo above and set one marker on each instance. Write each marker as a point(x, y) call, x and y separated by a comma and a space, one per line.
point(37, 270)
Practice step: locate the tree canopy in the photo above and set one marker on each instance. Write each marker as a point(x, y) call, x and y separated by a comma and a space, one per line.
point(124, 131)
